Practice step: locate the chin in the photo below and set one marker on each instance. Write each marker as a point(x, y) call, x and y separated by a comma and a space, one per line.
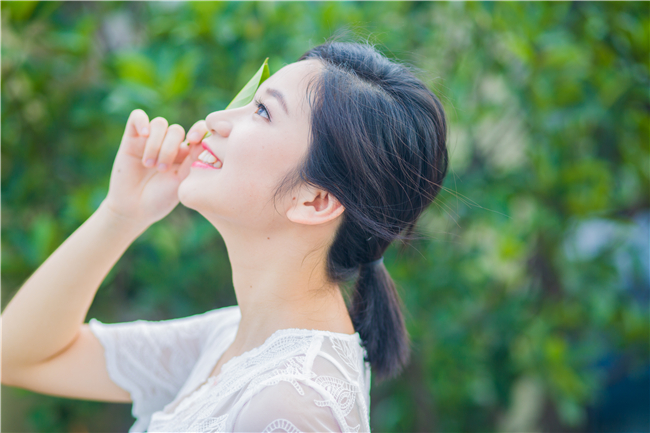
point(193, 195)
point(187, 194)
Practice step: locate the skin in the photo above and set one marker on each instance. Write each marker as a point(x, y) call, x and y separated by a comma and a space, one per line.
point(277, 256)
point(277, 253)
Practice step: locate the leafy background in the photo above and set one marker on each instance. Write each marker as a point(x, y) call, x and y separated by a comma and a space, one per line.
point(527, 301)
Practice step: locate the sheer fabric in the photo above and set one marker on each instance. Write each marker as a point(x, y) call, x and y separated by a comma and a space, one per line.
point(298, 380)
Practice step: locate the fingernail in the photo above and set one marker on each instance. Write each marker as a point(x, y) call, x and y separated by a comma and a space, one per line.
point(149, 163)
point(194, 136)
point(144, 131)
point(162, 167)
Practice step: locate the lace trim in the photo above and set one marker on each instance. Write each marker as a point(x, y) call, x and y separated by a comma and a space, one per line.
point(290, 331)
point(342, 396)
point(339, 367)
point(258, 368)
point(249, 367)
point(283, 425)
point(342, 392)
point(347, 353)
point(293, 372)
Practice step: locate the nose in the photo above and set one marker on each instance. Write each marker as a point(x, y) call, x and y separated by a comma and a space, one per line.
point(217, 124)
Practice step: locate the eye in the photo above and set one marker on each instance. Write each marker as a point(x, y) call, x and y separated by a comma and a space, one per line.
point(263, 107)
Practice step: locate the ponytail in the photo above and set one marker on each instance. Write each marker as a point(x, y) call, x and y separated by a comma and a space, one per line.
point(377, 144)
point(376, 314)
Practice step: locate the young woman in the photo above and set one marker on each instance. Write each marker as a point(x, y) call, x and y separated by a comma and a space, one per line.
point(308, 185)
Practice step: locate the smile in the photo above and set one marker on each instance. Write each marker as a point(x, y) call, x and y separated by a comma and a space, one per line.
point(207, 159)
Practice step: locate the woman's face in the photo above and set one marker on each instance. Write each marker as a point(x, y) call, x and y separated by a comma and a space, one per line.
point(258, 145)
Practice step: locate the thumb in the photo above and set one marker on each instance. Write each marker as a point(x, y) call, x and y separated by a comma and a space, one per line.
point(192, 155)
point(183, 151)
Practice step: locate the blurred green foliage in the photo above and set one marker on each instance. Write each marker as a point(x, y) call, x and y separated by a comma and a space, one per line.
point(510, 305)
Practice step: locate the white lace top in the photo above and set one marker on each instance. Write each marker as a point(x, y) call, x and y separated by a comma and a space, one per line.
point(298, 380)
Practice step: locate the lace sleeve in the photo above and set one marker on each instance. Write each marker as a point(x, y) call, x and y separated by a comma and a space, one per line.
point(152, 359)
point(296, 405)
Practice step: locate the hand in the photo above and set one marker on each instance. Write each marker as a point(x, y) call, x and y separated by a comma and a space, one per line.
point(151, 162)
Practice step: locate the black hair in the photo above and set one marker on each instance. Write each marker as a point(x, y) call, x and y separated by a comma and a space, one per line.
point(378, 144)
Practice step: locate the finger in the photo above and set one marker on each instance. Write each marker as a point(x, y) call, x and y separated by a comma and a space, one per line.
point(183, 151)
point(194, 136)
point(186, 165)
point(196, 132)
point(170, 147)
point(157, 133)
point(137, 125)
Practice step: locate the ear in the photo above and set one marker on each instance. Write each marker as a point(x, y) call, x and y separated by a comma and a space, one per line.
point(314, 206)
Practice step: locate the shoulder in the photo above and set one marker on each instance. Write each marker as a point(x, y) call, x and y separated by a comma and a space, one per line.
point(322, 387)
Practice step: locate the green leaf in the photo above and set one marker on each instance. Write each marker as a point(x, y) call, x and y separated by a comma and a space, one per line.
point(245, 95)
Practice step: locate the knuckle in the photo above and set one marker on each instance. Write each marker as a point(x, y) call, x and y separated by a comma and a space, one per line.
point(146, 158)
point(153, 143)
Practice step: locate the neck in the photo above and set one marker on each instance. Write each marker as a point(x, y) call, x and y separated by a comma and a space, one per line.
point(280, 282)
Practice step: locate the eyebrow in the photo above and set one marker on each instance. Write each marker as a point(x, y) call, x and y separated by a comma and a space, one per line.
point(278, 95)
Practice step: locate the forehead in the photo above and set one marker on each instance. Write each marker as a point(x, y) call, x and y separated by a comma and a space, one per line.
point(292, 81)
point(296, 72)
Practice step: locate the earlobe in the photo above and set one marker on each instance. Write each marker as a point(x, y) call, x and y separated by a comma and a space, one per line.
point(316, 208)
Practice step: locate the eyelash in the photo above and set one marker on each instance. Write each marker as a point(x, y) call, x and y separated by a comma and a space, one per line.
point(259, 104)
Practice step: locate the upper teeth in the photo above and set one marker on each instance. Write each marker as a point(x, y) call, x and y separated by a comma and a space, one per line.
point(207, 157)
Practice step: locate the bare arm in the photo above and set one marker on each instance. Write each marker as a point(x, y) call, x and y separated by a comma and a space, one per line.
point(45, 316)
point(46, 347)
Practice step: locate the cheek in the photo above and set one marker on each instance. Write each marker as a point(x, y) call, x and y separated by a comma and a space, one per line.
point(260, 169)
